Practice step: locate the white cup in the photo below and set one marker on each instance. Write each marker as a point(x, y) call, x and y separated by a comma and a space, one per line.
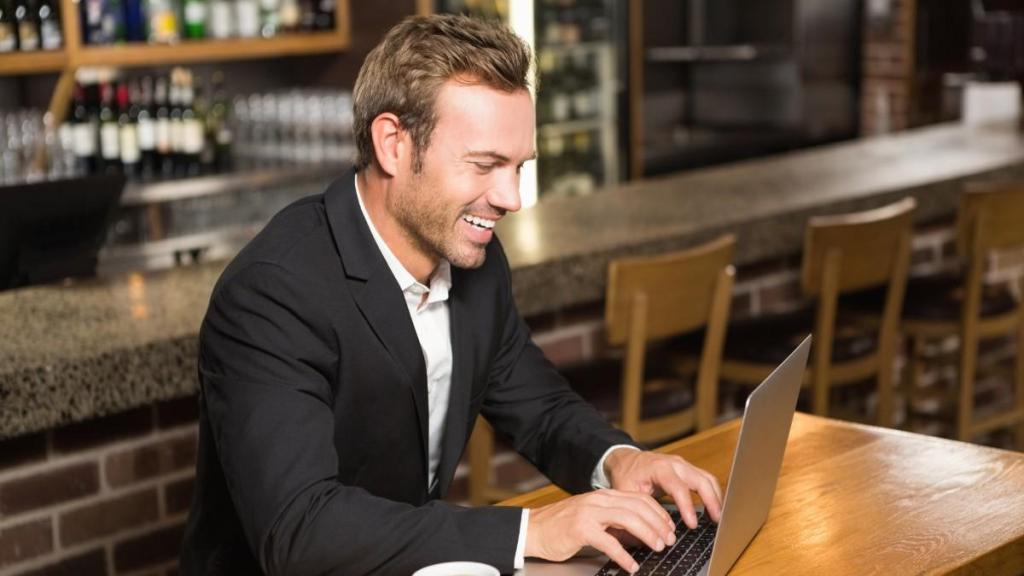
point(458, 569)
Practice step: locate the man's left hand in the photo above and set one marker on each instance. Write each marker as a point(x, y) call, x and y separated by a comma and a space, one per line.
point(656, 474)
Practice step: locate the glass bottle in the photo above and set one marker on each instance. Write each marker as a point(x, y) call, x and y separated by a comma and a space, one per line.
point(28, 27)
point(128, 122)
point(50, 33)
point(110, 133)
point(8, 27)
point(196, 14)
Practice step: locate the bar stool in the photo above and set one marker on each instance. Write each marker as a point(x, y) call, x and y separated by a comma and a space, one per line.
point(656, 298)
point(937, 307)
point(648, 298)
point(842, 254)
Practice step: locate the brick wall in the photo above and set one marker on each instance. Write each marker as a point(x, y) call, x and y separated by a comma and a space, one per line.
point(108, 496)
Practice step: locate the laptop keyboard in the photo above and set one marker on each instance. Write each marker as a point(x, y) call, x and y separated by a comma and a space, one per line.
point(685, 558)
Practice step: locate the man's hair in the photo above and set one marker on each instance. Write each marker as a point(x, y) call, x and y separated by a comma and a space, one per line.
point(404, 73)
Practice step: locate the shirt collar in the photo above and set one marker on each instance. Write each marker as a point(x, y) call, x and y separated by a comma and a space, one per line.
point(440, 280)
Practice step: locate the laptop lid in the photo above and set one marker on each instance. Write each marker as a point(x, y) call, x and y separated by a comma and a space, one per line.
point(755, 467)
point(767, 418)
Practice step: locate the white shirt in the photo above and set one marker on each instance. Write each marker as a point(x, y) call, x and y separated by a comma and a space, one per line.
point(428, 308)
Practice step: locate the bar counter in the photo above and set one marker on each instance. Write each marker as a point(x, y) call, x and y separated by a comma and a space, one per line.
point(83, 349)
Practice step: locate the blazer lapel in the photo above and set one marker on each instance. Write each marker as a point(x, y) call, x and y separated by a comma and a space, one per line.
point(456, 421)
point(376, 293)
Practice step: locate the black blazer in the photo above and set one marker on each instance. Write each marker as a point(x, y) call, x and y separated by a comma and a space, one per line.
point(313, 408)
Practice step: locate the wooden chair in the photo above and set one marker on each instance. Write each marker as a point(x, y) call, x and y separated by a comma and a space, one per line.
point(842, 254)
point(648, 298)
point(990, 218)
point(660, 297)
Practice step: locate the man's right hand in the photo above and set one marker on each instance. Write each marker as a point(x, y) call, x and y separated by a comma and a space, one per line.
point(559, 530)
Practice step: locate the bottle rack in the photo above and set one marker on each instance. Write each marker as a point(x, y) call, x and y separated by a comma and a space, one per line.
point(74, 54)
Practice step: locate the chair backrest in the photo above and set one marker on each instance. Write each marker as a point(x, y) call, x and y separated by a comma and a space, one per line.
point(863, 241)
point(656, 297)
point(678, 289)
point(991, 217)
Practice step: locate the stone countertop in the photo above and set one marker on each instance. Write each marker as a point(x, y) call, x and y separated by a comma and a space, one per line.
point(560, 250)
point(84, 349)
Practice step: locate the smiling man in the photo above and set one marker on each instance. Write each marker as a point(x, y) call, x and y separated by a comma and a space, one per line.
point(349, 348)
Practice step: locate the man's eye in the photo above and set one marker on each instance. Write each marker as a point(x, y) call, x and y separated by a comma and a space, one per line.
point(483, 168)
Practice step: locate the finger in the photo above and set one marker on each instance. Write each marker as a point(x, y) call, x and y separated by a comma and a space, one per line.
point(677, 485)
point(659, 511)
point(714, 507)
point(705, 488)
point(634, 523)
point(653, 512)
point(607, 544)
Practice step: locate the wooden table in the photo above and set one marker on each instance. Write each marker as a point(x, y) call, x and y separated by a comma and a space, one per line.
point(856, 499)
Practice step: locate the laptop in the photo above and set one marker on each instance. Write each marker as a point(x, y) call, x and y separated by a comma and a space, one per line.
point(711, 550)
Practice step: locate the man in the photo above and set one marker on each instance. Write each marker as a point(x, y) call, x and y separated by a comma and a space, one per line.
point(348, 349)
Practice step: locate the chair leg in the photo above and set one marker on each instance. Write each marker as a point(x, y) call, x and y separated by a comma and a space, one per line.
point(481, 448)
point(1019, 392)
point(912, 375)
point(965, 407)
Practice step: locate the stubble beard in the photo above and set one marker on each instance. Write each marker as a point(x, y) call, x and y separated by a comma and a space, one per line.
point(431, 224)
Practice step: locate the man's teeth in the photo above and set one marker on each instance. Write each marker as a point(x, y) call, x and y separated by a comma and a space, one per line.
point(480, 222)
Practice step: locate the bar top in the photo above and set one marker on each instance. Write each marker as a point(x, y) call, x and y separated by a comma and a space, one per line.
point(84, 349)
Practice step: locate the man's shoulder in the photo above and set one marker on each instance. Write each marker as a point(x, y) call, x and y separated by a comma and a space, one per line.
point(297, 241)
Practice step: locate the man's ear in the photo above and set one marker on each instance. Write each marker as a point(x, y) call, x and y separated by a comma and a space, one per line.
point(388, 142)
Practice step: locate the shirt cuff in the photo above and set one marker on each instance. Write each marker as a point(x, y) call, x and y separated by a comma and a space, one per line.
point(598, 479)
point(520, 560)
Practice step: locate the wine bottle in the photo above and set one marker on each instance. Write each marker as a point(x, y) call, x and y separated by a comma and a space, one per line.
point(177, 126)
point(219, 124)
point(146, 128)
point(110, 133)
point(83, 133)
point(28, 27)
point(128, 122)
point(8, 27)
point(134, 21)
point(192, 129)
point(50, 33)
point(164, 153)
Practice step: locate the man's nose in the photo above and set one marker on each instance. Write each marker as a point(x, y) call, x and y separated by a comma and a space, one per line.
point(505, 196)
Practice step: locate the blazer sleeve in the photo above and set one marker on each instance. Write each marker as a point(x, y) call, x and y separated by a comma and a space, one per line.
point(532, 405)
point(266, 356)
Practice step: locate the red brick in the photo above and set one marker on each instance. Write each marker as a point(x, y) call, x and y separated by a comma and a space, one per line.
point(49, 487)
point(151, 460)
point(564, 351)
point(91, 563)
point(22, 450)
point(152, 549)
point(25, 541)
point(177, 412)
point(100, 431)
point(108, 517)
point(178, 495)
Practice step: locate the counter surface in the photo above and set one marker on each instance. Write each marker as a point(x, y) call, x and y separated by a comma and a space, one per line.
point(85, 349)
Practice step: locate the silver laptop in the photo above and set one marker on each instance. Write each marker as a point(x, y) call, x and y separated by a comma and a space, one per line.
point(711, 550)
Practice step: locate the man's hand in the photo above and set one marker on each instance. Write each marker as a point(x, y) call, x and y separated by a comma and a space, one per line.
point(655, 474)
point(557, 531)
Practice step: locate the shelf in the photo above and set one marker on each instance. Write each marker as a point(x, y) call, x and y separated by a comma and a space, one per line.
point(571, 126)
point(560, 48)
point(41, 62)
point(136, 194)
point(191, 51)
point(726, 53)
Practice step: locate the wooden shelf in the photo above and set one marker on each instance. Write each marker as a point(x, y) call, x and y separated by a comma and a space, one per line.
point(41, 62)
point(191, 51)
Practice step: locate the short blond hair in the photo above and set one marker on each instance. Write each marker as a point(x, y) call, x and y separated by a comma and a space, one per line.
point(404, 73)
